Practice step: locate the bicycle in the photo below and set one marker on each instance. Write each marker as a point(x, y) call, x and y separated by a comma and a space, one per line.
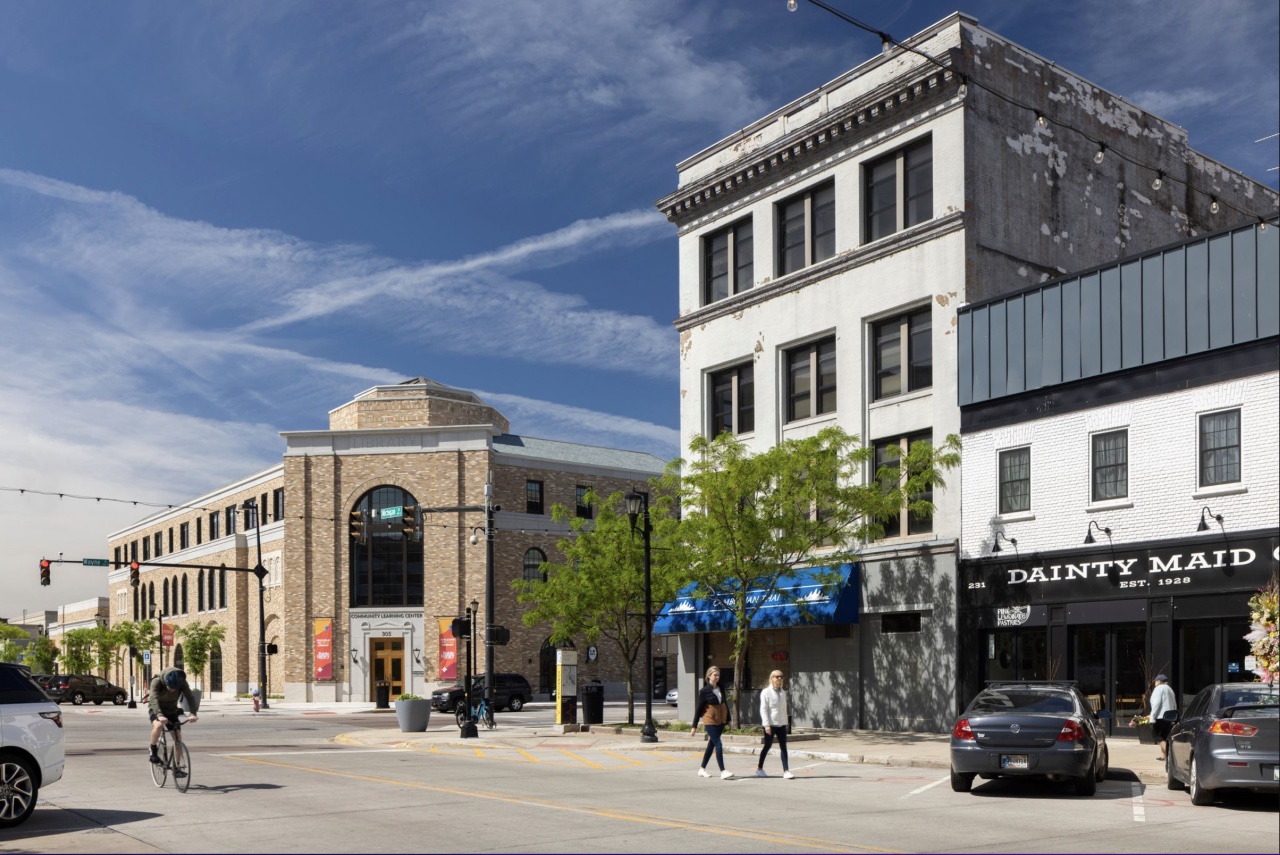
point(480, 712)
point(173, 758)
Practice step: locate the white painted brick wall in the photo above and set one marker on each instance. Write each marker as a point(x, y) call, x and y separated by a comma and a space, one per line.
point(1164, 498)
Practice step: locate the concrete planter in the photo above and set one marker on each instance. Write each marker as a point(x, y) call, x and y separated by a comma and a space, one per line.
point(413, 715)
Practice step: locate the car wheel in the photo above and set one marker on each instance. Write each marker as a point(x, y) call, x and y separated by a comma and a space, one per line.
point(1199, 795)
point(18, 791)
point(1171, 779)
point(77, 698)
point(118, 700)
point(1088, 785)
point(961, 782)
point(516, 703)
point(1104, 766)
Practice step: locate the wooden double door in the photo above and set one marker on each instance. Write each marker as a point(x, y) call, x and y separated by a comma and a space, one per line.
point(386, 658)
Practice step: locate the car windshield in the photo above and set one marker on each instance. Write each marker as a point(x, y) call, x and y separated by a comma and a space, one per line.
point(1022, 701)
point(1261, 696)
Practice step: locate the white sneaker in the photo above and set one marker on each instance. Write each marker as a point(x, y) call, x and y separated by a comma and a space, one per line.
point(726, 775)
point(760, 773)
point(703, 773)
point(788, 775)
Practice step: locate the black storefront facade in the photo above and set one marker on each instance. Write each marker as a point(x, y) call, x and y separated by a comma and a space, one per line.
point(1111, 619)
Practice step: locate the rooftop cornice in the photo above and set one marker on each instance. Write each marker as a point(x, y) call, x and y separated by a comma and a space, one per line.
point(917, 89)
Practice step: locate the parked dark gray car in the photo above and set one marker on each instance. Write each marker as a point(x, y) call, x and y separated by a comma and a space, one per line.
point(1023, 728)
point(1227, 738)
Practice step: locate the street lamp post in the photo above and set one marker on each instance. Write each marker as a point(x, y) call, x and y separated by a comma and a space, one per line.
point(159, 616)
point(261, 572)
point(489, 510)
point(638, 506)
point(469, 722)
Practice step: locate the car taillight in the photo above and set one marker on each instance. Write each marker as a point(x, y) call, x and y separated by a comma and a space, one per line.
point(1071, 732)
point(1232, 728)
point(962, 730)
point(55, 717)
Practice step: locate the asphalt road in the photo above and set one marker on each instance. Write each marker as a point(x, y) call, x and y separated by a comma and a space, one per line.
point(278, 784)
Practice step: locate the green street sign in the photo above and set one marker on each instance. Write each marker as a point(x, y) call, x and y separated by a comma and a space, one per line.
point(393, 513)
point(95, 562)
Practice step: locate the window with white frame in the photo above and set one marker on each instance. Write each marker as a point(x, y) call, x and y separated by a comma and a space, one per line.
point(1110, 455)
point(1220, 448)
point(727, 262)
point(806, 228)
point(1015, 480)
point(733, 400)
point(811, 380)
point(899, 190)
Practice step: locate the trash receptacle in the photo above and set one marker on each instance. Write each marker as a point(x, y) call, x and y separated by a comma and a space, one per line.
point(593, 702)
point(568, 710)
point(382, 695)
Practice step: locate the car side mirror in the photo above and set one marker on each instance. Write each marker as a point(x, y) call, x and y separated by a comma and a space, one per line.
point(1104, 714)
point(1169, 715)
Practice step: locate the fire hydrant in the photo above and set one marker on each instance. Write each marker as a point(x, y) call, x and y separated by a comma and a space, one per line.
point(255, 700)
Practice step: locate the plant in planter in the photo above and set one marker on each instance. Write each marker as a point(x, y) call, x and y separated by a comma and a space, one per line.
point(413, 712)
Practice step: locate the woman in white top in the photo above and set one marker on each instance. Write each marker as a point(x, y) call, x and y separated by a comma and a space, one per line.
point(773, 715)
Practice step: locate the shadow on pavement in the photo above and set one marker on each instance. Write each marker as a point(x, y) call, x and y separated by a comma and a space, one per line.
point(233, 788)
point(47, 820)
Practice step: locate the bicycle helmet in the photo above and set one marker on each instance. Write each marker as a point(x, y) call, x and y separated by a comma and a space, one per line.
point(175, 678)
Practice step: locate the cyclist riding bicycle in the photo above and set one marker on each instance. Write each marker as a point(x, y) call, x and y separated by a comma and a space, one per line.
point(166, 688)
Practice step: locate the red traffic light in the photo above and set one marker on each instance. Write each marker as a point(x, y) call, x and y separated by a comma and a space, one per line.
point(133, 573)
point(45, 566)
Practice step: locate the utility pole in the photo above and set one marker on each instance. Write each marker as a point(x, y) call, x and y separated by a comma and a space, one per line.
point(261, 572)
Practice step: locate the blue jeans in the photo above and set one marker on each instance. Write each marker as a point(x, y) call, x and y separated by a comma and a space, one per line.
point(714, 732)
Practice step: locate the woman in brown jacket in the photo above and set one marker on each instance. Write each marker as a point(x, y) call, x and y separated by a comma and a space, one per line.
point(713, 713)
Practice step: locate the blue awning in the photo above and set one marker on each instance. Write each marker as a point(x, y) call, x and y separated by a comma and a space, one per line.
point(822, 604)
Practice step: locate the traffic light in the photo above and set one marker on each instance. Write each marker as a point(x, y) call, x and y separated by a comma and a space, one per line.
point(461, 628)
point(45, 565)
point(133, 573)
point(498, 635)
point(357, 526)
point(409, 524)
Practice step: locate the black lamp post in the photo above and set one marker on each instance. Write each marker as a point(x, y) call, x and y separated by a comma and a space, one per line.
point(489, 510)
point(468, 730)
point(638, 505)
point(159, 616)
point(261, 572)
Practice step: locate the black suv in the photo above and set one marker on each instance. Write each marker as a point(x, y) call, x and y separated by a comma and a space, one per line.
point(79, 688)
point(512, 692)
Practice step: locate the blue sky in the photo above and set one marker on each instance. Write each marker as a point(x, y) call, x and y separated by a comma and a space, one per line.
point(219, 221)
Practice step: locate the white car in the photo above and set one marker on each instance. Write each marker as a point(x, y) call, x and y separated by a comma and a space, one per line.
point(31, 743)
point(673, 697)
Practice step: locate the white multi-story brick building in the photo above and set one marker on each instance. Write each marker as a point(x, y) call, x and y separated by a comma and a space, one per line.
point(379, 605)
point(1122, 470)
point(824, 250)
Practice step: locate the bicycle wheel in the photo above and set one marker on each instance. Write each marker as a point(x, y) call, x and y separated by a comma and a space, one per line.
point(461, 716)
point(181, 766)
point(488, 717)
point(160, 771)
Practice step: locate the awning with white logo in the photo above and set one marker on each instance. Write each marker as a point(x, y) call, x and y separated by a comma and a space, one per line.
point(801, 599)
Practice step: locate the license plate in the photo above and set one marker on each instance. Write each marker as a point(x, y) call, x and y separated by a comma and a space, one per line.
point(1013, 761)
point(1274, 772)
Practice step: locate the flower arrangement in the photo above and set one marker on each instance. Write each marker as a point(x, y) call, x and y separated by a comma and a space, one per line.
point(1139, 719)
point(1263, 639)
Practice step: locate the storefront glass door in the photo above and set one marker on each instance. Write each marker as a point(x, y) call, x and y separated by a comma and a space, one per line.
point(1210, 652)
point(1016, 654)
point(1107, 663)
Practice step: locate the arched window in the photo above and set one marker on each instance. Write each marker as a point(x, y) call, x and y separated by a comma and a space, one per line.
point(151, 599)
point(177, 657)
point(212, 599)
point(386, 568)
point(215, 668)
point(200, 592)
point(165, 586)
point(184, 593)
point(222, 588)
point(533, 561)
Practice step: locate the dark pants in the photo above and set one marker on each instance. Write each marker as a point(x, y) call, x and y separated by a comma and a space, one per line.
point(779, 733)
point(714, 732)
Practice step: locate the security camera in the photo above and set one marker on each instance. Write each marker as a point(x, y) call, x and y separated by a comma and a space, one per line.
point(475, 538)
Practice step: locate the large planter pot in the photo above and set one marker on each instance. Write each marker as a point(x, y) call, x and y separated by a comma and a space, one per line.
point(1146, 735)
point(413, 715)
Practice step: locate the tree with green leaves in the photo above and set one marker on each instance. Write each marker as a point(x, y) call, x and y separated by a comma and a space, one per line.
point(40, 655)
point(135, 637)
point(598, 590)
point(751, 520)
point(198, 643)
point(10, 650)
point(77, 651)
point(106, 651)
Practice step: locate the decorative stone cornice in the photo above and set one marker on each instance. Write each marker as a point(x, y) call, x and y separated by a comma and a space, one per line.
point(840, 128)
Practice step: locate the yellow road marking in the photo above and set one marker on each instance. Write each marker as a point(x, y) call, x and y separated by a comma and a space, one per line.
point(529, 801)
point(530, 757)
point(663, 758)
point(621, 757)
point(582, 760)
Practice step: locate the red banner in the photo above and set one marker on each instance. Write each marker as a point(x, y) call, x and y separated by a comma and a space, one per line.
point(448, 650)
point(166, 634)
point(324, 649)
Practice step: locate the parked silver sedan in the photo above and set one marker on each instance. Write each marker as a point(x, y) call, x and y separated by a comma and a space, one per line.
point(1227, 738)
point(673, 697)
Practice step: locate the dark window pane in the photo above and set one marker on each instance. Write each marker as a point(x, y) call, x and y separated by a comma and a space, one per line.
point(717, 267)
point(721, 402)
point(824, 223)
point(881, 198)
point(791, 237)
point(886, 457)
point(798, 385)
point(918, 191)
point(889, 358)
point(743, 258)
point(1220, 448)
point(533, 497)
point(1110, 465)
point(826, 377)
point(1015, 480)
point(746, 399)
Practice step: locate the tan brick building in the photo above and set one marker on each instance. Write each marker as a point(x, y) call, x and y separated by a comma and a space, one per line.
point(384, 596)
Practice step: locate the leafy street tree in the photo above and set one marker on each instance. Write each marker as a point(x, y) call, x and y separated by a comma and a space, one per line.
point(41, 655)
point(135, 636)
point(10, 650)
point(750, 520)
point(105, 649)
point(598, 591)
point(77, 651)
point(198, 643)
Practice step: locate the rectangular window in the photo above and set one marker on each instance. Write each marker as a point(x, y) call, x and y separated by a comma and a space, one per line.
point(533, 497)
point(277, 504)
point(133, 550)
point(1015, 480)
point(901, 622)
point(811, 380)
point(184, 535)
point(159, 538)
point(583, 509)
point(1220, 448)
point(213, 526)
point(727, 262)
point(117, 555)
point(1110, 465)
point(231, 520)
point(733, 400)
point(899, 190)
point(806, 229)
point(904, 354)
point(199, 530)
point(146, 548)
point(171, 538)
point(263, 510)
point(889, 454)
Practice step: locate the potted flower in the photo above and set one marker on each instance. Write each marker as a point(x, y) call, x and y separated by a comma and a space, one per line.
point(1143, 725)
point(413, 712)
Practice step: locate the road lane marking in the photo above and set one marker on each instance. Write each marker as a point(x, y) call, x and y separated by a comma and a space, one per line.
point(665, 759)
point(927, 787)
point(313, 751)
point(699, 825)
point(1139, 809)
point(529, 756)
point(621, 757)
point(583, 760)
